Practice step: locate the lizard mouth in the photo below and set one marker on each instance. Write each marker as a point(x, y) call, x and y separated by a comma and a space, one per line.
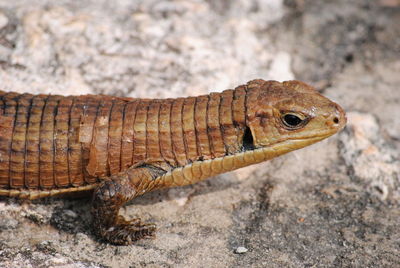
point(289, 145)
point(286, 145)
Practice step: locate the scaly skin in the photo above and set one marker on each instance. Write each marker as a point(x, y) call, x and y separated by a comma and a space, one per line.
point(122, 148)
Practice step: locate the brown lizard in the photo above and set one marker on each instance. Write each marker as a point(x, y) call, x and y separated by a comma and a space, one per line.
point(121, 148)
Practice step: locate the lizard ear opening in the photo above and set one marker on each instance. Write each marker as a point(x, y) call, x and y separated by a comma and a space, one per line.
point(248, 142)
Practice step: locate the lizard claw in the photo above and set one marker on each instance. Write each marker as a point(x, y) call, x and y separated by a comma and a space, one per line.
point(127, 232)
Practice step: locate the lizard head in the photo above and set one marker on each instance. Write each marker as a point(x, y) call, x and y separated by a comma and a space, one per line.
point(289, 115)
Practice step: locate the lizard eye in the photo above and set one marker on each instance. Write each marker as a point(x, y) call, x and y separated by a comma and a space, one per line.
point(292, 121)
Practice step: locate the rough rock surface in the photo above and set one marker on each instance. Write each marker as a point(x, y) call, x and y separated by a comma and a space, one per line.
point(334, 204)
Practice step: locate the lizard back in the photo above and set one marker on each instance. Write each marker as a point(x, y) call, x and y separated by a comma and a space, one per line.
point(53, 144)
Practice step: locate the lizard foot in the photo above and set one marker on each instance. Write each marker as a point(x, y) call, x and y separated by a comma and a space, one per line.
point(126, 232)
point(111, 194)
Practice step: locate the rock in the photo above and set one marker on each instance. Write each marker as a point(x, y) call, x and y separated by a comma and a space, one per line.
point(241, 250)
point(369, 157)
point(3, 20)
point(390, 3)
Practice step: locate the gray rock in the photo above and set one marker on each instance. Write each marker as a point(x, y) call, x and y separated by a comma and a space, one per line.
point(369, 158)
point(241, 250)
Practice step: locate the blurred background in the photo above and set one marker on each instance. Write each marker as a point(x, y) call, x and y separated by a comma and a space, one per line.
point(335, 204)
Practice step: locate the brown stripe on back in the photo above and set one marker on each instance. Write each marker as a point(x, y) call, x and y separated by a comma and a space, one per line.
point(115, 136)
point(86, 133)
point(229, 134)
point(2, 106)
point(127, 134)
point(98, 164)
point(177, 132)
point(75, 158)
point(6, 125)
point(165, 132)
point(214, 128)
point(47, 143)
point(17, 157)
point(239, 112)
point(2, 94)
point(189, 131)
point(252, 97)
point(61, 176)
point(6, 133)
point(139, 133)
point(152, 132)
point(32, 156)
point(200, 119)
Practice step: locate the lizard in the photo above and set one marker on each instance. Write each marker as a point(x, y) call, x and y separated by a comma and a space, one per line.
point(118, 148)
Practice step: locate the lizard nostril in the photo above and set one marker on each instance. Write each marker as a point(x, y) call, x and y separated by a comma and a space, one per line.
point(336, 120)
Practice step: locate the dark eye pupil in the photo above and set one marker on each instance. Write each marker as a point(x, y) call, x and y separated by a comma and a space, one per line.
point(291, 120)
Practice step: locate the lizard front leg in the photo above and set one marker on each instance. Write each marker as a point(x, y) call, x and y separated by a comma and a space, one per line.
point(112, 194)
